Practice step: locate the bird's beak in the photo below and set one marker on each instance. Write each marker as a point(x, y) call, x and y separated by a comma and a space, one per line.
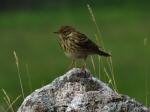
point(56, 32)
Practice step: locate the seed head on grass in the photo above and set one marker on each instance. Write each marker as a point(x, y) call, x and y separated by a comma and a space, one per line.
point(19, 74)
point(100, 41)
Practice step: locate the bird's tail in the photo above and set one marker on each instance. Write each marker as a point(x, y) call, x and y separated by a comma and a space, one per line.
point(103, 53)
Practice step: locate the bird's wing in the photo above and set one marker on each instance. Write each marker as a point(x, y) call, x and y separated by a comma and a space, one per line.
point(84, 43)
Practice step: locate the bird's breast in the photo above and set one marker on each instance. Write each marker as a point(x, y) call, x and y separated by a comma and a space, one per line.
point(71, 49)
point(68, 55)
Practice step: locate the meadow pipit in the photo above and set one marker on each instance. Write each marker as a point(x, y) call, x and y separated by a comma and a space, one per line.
point(76, 45)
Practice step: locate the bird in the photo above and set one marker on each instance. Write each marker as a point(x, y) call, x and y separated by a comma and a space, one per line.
point(77, 45)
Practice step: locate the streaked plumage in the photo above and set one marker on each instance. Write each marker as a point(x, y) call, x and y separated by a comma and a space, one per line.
point(76, 45)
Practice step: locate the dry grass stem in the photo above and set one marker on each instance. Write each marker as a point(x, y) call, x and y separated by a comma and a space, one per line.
point(29, 78)
point(7, 100)
point(94, 66)
point(19, 74)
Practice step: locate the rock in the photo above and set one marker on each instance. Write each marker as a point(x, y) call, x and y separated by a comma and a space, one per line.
point(77, 91)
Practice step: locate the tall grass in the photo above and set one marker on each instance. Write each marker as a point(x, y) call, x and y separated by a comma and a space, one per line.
point(19, 74)
point(94, 67)
point(146, 78)
point(146, 89)
point(29, 78)
point(8, 101)
point(109, 61)
point(6, 98)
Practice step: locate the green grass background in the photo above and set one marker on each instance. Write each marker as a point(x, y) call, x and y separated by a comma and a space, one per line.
point(29, 33)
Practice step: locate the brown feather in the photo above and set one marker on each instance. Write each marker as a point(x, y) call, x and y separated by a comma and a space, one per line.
point(77, 45)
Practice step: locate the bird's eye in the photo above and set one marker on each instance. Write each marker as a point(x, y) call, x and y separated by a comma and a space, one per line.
point(66, 32)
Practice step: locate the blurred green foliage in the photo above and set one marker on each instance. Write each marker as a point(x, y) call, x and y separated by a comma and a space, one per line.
point(29, 33)
point(48, 4)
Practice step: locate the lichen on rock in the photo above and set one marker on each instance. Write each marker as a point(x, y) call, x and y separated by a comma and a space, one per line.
point(76, 91)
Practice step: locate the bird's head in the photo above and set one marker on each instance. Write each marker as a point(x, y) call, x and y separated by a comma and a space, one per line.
point(65, 30)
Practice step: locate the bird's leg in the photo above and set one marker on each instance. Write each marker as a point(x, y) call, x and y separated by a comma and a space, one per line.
point(83, 69)
point(73, 64)
point(84, 65)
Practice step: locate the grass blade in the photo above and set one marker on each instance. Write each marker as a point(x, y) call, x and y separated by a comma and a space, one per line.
point(19, 74)
point(7, 100)
point(94, 66)
point(29, 78)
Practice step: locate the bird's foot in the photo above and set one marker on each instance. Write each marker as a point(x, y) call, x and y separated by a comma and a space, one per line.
point(90, 77)
point(83, 71)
